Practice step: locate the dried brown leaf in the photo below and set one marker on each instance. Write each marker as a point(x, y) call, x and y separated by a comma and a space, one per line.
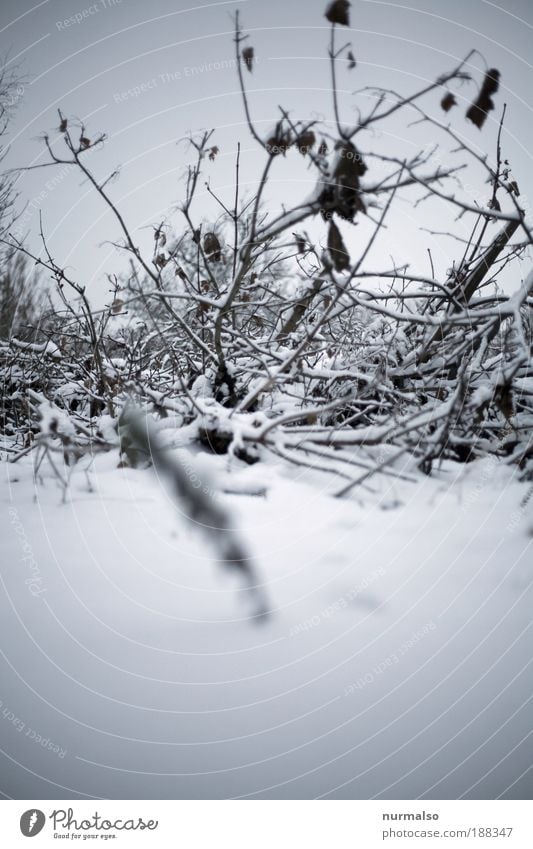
point(306, 141)
point(337, 249)
point(483, 104)
point(279, 142)
point(448, 101)
point(212, 247)
point(300, 243)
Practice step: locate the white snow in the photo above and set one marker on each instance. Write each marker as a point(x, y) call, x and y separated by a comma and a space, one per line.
point(396, 661)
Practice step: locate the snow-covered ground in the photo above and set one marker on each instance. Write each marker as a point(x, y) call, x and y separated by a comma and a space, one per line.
point(396, 661)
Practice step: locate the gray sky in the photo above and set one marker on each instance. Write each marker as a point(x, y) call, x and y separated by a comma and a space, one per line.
point(147, 74)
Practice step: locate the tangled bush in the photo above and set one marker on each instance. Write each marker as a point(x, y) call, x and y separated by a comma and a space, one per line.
point(259, 335)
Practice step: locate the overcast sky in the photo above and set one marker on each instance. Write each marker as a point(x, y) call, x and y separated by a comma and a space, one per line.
point(147, 74)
